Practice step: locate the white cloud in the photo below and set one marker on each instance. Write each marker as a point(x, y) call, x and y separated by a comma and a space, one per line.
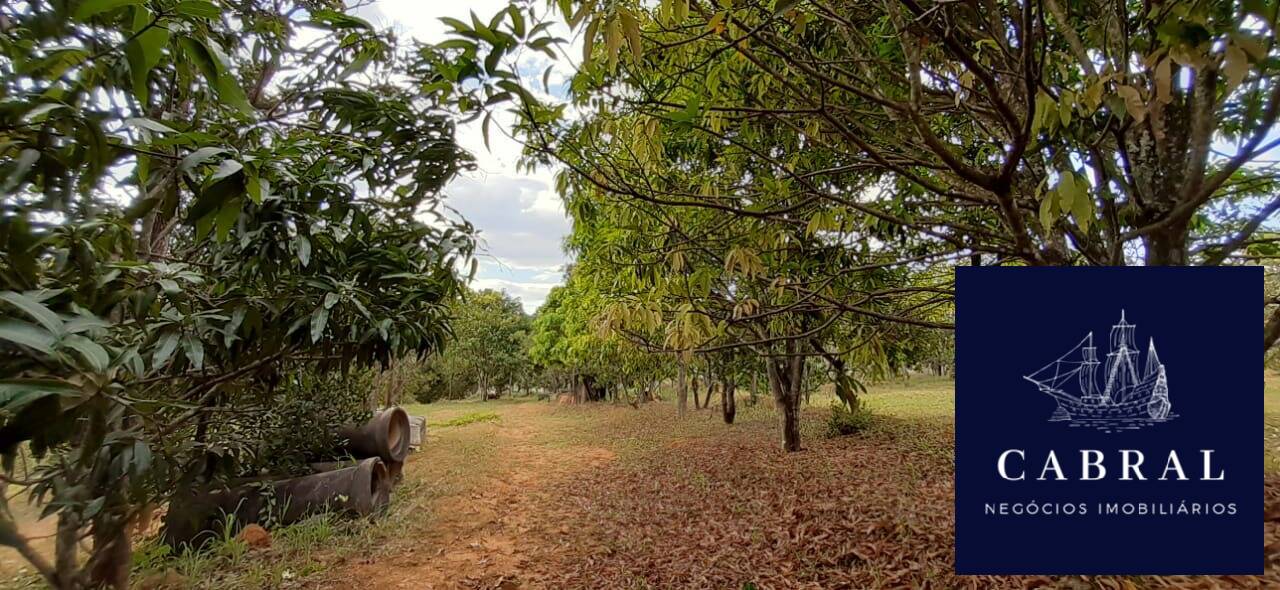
point(531, 294)
point(513, 227)
point(520, 218)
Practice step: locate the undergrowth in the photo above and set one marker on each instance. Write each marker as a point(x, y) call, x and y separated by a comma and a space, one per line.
point(844, 421)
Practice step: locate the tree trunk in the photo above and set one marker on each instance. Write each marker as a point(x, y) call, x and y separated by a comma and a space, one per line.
point(755, 387)
point(786, 375)
point(1167, 246)
point(682, 389)
point(112, 556)
point(1271, 331)
point(728, 405)
point(693, 388)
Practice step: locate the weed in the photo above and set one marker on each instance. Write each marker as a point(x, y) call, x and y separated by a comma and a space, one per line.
point(844, 421)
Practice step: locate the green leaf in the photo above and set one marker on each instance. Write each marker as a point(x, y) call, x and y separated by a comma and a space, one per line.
point(24, 163)
point(457, 25)
point(631, 28)
point(319, 318)
point(85, 323)
point(1044, 103)
point(198, 53)
point(92, 352)
point(484, 127)
point(1082, 205)
point(226, 218)
point(141, 458)
point(194, 349)
point(303, 246)
point(215, 66)
point(256, 188)
point(225, 169)
point(90, 8)
point(589, 40)
point(230, 92)
point(517, 21)
point(29, 335)
point(197, 8)
point(149, 125)
point(357, 65)
point(1066, 107)
point(1066, 190)
point(212, 197)
point(17, 393)
point(94, 507)
point(1046, 214)
point(36, 310)
point(779, 6)
point(233, 326)
point(198, 157)
point(165, 346)
point(145, 50)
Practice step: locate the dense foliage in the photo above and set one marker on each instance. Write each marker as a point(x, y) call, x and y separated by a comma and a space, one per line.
point(799, 178)
point(577, 353)
point(489, 352)
point(198, 195)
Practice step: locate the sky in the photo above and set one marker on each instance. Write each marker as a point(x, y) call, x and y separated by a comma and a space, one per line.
point(519, 217)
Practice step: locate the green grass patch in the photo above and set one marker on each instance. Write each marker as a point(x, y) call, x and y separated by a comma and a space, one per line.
point(466, 419)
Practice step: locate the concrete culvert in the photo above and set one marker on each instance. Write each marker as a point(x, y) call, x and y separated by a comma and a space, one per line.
point(386, 435)
point(362, 489)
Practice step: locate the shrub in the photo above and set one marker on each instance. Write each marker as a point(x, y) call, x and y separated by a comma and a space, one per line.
point(844, 420)
point(299, 421)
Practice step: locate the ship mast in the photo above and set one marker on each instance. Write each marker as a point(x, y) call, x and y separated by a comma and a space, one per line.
point(1089, 365)
point(1121, 371)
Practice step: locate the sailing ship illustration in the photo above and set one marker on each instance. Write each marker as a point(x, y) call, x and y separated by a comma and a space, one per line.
point(1129, 393)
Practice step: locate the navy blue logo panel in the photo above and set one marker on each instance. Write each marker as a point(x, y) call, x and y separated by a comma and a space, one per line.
point(1108, 420)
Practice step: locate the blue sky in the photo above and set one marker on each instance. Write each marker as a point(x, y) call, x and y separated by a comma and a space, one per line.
point(520, 218)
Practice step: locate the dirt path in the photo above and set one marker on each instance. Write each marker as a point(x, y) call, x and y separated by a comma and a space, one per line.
point(475, 534)
point(609, 497)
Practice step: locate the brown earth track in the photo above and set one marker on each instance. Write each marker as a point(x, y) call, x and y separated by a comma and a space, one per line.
point(607, 497)
point(477, 538)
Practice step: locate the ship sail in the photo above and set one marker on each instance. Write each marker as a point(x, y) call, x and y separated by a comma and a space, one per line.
point(1153, 361)
point(1060, 373)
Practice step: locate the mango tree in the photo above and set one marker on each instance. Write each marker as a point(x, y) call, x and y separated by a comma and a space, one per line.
point(196, 195)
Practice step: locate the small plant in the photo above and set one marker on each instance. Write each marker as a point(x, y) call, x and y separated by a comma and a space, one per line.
point(151, 554)
point(845, 420)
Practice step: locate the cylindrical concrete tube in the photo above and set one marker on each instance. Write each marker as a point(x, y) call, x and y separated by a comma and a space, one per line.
point(386, 435)
point(361, 489)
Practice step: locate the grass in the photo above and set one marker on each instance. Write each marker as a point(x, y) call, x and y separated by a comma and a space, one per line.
point(227, 562)
point(466, 419)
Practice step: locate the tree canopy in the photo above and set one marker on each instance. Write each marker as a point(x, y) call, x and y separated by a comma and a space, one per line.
point(197, 195)
point(799, 177)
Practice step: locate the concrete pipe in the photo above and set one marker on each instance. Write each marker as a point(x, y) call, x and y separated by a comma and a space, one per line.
point(395, 469)
point(360, 490)
point(386, 435)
